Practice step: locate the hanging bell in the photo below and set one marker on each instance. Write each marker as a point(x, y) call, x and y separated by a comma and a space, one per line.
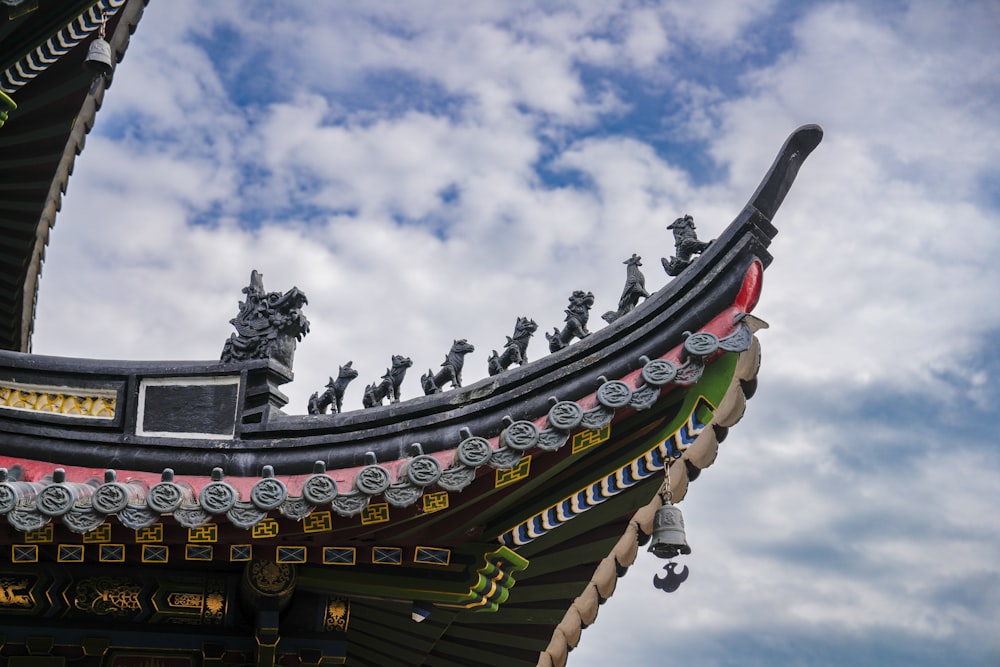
point(99, 57)
point(668, 532)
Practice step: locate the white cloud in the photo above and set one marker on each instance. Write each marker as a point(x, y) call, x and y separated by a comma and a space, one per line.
point(417, 214)
point(890, 250)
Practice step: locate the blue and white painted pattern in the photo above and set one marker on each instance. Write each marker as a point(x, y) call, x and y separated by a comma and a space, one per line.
point(638, 470)
point(55, 47)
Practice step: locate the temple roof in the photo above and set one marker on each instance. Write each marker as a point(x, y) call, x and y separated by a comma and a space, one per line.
point(43, 45)
point(480, 525)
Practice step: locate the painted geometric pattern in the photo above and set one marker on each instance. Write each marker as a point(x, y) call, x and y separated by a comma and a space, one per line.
point(207, 533)
point(435, 502)
point(431, 556)
point(155, 553)
point(587, 439)
point(265, 529)
point(161, 553)
point(634, 472)
point(375, 513)
point(149, 534)
point(24, 553)
point(340, 555)
point(240, 552)
point(57, 46)
point(100, 534)
point(517, 473)
point(111, 553)
point(198, 552)
point(318, 522)
point(43, 535)
point(70, 553)
point(387, 555)
point(290, 555)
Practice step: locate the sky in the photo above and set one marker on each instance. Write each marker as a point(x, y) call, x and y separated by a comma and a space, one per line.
point(426, 171)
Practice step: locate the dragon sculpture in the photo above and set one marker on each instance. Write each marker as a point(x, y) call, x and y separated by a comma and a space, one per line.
point(268, 325)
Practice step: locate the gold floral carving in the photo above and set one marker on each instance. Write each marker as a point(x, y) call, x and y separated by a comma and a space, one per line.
point(108, 596)
point(269, 577)
point(338, 613)
point(214, 611)
point(90, 403)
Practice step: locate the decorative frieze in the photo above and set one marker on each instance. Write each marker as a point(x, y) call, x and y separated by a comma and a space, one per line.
point(64, 401)
point(85, 507)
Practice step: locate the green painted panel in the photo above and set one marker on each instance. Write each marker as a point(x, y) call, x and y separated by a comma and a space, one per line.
point(516, 616)
point(506, 656)
point(36, 661)
point(472, 632)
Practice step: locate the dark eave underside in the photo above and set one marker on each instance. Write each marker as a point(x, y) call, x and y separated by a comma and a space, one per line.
point(38, 145)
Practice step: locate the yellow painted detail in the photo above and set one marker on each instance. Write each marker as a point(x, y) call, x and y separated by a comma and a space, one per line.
point(204, 534)
point(98, 535)
point(290, 554)
point(186, 600)
point(112, 553)
point(375, 513)
point(107, 596)
point(24, 553)
point(435, 502)
point(431, 556)
point(338, 614)
point(155, 553)
point(515, 474)
point(387, 556)
point(70, 553)
point(240, 552)
point(150, 534)
point(318, 522)
point(202, 552)
point(15, 593)
point(90, 403)
point(266, 528)
point(340, 555)
point(41, 536)
point(587, 439)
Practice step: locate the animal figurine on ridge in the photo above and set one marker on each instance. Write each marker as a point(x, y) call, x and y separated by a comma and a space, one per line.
point(451, 369)
point(577, 316)
point(388, 386)
point(515, 351)
point(635, 288)
point(686, 244)
point(334, 394)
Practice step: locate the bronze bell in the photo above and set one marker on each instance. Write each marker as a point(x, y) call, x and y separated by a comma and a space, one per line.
point(99, 57)
point(668, 532)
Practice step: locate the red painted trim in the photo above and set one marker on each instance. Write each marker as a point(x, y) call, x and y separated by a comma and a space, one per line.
point(749, 293)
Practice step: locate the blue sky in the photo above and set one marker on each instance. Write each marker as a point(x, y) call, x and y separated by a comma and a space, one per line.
point(426, 171)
